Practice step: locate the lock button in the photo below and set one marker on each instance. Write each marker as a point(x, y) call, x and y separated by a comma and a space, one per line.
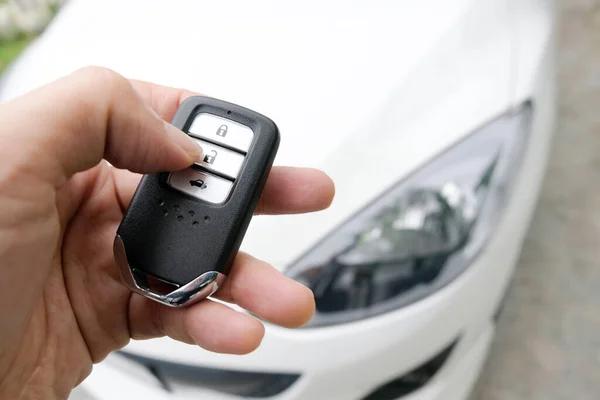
point(220, 160)
point(222, 131)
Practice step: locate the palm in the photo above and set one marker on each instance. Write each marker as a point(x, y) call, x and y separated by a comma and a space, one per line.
point(91, 280)
point(83, 310)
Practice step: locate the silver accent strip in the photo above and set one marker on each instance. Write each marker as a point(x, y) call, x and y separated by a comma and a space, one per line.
point(192, 292)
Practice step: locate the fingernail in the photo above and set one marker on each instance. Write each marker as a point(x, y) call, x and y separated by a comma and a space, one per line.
point(188, 144)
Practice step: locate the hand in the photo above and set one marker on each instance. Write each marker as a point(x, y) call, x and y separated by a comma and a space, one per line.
point(62, 305)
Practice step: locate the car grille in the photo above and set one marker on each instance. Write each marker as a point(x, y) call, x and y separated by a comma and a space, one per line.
point(413, 380)
point(239, 383)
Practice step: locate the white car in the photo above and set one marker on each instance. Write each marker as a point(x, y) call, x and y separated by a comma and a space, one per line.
point(434, 119)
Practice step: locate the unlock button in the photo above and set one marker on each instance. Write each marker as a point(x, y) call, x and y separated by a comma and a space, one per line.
point(220, 159)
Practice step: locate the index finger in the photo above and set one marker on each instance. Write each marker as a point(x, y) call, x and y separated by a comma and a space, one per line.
point(163, 100)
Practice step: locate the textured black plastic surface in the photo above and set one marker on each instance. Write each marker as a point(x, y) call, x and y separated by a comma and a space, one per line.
point(176, 237)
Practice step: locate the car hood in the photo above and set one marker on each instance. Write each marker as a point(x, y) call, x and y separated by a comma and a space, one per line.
point(366, 91)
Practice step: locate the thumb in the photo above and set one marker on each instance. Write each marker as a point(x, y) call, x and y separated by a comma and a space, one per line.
point(72, 124)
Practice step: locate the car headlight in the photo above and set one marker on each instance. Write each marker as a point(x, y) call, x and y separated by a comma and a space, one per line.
point(421, 233)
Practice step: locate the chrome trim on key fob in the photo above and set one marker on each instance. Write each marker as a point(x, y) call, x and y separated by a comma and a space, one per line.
point(198, 289)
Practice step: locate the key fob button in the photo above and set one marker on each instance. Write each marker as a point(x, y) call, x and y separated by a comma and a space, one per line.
point(201, 185)
point(222, 130)
point(220, 159)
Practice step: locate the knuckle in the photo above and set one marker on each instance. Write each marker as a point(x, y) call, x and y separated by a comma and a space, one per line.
point(156, 321)
point(97, 73)
point(94, 92)
point(101, 80)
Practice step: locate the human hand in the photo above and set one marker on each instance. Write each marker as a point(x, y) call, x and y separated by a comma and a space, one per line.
point(62, 305)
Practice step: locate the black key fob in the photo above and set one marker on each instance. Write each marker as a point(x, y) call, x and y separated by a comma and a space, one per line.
point(182, 231)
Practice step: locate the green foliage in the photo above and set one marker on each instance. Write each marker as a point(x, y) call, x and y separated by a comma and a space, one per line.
point(9, 50)
point(54, 8)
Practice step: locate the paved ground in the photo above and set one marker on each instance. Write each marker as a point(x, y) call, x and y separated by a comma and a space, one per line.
point(548, 342)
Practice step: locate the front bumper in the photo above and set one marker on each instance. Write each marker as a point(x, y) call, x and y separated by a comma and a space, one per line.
point(128, 379)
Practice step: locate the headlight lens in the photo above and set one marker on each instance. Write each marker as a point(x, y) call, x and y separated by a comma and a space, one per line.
point(422, 232)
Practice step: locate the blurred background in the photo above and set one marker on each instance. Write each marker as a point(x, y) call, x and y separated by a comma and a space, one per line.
point(20, 22)
point(547, 345)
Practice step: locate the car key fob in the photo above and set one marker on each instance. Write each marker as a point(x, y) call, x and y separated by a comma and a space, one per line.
point(182, 230)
